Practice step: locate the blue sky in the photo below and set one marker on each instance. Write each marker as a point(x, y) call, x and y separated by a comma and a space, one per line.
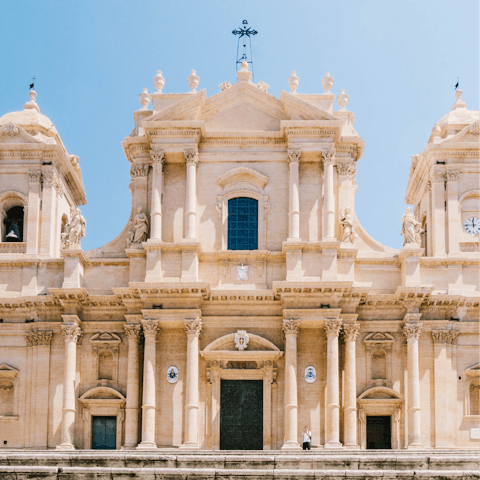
point(398, 62)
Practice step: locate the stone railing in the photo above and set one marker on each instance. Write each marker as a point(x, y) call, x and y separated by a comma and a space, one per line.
point(469, 246)
point(14, 247)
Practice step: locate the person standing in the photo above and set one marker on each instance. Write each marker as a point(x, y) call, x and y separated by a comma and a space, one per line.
point(306, 438)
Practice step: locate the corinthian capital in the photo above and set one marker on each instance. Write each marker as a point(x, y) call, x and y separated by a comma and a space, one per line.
point(412, 330)
point(293, 156)
point(291, 326)
point(133, 331)
point(71, 332)
point(453, 176)
point(34, 176)
point(329, 156)
point(444, 337)
point(191, 156)
point(193, 326)
point(347, 169)
point(139, 171)
point(157, 156)
point(150, 327)
point(350, 330)
point(333, 326)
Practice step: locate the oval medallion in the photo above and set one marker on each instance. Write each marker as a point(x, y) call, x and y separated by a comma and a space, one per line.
point(172, 374)
point(310, 374)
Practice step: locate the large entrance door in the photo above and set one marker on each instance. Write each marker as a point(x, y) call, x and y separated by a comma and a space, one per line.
point(241, 415)
point(104, 433)
point(379, 434)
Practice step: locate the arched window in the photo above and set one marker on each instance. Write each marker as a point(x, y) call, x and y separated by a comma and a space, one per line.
point(242, 224)
point(13, 222)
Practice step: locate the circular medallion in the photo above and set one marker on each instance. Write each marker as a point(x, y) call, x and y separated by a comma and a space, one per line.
point(172, 374)
point(310, 374)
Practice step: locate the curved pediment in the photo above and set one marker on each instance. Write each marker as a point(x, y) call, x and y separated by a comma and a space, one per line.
point(102, 393)
point(380, 393)
point(227, 343)
point(242, 175)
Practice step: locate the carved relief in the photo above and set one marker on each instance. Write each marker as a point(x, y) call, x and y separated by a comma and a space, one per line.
point(11, 130)
point(241, 340)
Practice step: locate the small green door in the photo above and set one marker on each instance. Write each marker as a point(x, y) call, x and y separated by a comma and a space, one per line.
point(241, 415)
point(104, 433)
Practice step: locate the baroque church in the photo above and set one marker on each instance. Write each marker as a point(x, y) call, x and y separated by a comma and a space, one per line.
point(243, 300)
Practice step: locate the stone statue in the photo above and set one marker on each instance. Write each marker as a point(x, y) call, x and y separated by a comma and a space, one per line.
point(140, 226)
point(348, 230)
point(74, 229)
point(411, 228)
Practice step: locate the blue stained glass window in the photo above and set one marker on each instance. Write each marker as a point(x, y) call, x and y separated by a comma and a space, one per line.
point(242, 224)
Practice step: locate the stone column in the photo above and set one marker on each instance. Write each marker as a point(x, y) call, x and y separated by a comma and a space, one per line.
point(411, 331)
point(438, 203)
point(332, 434)
point(291, 328)
point(193, 327)
point(150, 331)
point(71, 333)
point(350, 404)
point(158, 159)
point(191, 158)
point(293, 195)
point(329, 197)
point(32, 221)
point(454, 226)
point(133, 332)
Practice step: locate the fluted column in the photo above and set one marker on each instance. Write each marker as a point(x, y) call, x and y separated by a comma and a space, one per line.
point(191, 158)
point(411, 331)
point(193, 327)
point(71, 333)
point(150, 331)
point(293, 195)
point(158, 161)
point(133, 332)
point(329, 198)
point(291, 328)
point(332, 330)
point(350, 404)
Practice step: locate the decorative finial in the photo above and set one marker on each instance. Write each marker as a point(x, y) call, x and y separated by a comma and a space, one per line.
point(193, 81)
point(342, 100)
point(459, 103)
point(327, 83)
point(244, 74)
point(245, 32)
point(159, 81)
point(32, 103)
point(293, 82)
point(144, 99)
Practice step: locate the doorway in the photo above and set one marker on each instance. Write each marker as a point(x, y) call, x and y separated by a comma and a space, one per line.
point(379, 433)
point(104, 433)
point(241, 415)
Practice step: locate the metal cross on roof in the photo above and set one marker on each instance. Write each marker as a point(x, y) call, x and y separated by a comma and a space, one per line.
point(244, 32)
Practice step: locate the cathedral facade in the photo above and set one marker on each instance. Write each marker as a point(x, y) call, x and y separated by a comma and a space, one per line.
point(243, 300)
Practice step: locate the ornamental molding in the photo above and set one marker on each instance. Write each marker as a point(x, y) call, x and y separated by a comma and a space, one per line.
point(444, 337)
point(193, 327)
point(469, 247)
point(133, 331)
point(243, 176)
point(139, 171)
point(347, 169)
point(11, 129)
point(291, 326)
point(333, 326)
point(39, 338)
point(191, 157)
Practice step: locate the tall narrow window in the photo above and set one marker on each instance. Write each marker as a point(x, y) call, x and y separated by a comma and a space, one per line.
point(14, 225)
point(242, 224)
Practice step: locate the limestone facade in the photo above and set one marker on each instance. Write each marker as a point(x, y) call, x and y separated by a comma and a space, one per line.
point(145, 329)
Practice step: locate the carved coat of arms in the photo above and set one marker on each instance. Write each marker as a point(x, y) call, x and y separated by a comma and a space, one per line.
point(242, 272)
point(241, 339)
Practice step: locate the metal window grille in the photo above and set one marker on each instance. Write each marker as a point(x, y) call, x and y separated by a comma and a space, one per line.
point(242, 224)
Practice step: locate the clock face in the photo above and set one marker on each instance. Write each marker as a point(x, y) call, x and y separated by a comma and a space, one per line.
point(472, 225)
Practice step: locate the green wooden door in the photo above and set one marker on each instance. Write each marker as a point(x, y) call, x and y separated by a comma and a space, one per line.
point(104, 433)
point(241, 415)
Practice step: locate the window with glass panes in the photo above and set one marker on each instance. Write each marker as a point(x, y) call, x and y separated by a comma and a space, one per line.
point(242, 224)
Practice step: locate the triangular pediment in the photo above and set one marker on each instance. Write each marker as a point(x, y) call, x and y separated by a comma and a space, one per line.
point(108, 338)
point(188, 108)
point(379, 337)
point(12, 134)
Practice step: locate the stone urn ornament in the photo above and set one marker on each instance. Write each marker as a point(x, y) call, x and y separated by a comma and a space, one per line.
point(159, 81)
point(327, 83)
point(193, 81)
point(145, 99)
point(342, 99)
point(293, 82)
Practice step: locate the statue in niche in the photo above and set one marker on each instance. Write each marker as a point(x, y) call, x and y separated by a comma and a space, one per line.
point(74, 229)
point(141, 227)
point(348, 230)
point(411, 228)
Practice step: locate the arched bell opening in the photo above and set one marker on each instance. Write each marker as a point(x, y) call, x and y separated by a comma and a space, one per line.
point(13, 224)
